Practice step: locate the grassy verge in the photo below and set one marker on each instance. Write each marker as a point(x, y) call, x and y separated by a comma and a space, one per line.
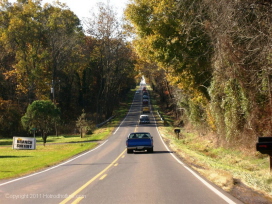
point(20, 162)
point(55, 139)
point(222, 166)
point(16, 163)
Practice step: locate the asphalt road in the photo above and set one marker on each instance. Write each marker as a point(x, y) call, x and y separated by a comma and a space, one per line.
point(107, 174)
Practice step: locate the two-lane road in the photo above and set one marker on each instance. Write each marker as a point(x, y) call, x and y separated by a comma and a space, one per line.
point(108, 174)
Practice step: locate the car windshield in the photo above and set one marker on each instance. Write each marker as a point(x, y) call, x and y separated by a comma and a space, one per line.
point(144, 117)
point(140, 135)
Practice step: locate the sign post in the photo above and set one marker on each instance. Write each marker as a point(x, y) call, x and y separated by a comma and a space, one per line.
point(34, 131)
point(177, 131)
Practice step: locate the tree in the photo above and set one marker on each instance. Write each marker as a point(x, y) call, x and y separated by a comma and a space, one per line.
point(9, 118)
point(82, 124)
point(23, 36)
point(41, 52)
point(218, 55)
point(43, 48)
point(41, 115)
point(46, 44)
point(172, 35)
point(111, 60)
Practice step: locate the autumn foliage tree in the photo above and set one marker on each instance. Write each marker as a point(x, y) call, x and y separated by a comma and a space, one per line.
point(40, 40)
point(112, 59)
point(45, 54)
point(169, 34)
point(216, 56)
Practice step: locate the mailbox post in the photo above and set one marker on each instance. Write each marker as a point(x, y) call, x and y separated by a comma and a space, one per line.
point(264, 145)
point(177, 131)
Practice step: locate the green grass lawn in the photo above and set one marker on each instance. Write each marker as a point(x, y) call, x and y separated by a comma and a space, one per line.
point(16, 163)
point(20, 162)
point(53, 139)
point(57, 148)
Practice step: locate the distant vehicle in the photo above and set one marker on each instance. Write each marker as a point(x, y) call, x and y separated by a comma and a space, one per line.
point(145, 101)
point(137, 92)
point(146, 109)
point(144, 119)
point(144, 88)
point(139, 141)
point(145, 96)
point(145, 93)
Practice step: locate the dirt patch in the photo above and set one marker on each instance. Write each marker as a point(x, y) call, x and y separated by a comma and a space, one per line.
point(220, 178)
point(248, 195)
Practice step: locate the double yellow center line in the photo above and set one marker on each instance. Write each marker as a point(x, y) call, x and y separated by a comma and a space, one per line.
point(73, 195)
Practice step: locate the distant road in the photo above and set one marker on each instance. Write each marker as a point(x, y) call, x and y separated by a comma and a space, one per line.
point(108, 174)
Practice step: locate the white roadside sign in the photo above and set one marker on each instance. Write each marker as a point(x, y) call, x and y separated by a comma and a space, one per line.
point(24, 143)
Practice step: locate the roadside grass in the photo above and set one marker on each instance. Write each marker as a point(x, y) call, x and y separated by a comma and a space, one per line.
point(222, 166)
point(51, 139)
point(20, 162)
point(15, 163)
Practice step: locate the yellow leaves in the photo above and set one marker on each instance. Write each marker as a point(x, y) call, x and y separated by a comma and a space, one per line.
point(160, 7)
point(10, 74)
point(184, 80)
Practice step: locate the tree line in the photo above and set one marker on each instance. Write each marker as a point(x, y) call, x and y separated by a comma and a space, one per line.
point(46, 55)
point(210, 62)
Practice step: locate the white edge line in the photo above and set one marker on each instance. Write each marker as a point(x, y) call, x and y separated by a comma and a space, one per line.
point(221, 195)
point(34, 174)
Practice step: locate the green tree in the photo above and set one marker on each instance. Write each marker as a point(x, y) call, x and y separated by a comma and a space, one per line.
point(41, 115)
point(82, 124)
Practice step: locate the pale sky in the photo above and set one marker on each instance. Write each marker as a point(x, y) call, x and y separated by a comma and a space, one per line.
point(84, 8)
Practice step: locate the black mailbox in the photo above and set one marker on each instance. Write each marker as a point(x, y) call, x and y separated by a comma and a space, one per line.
point(264, 145)
point(177, 131)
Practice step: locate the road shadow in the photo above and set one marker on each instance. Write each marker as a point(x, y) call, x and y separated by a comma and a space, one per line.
point(154, 152)
point(7, 156)
point(163, 152)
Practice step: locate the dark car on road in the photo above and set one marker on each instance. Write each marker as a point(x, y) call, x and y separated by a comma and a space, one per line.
point(139, 141)
point(145, 96)
point(145, 101)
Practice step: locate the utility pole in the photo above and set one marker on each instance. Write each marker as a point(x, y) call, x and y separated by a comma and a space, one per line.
point(53, 90)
